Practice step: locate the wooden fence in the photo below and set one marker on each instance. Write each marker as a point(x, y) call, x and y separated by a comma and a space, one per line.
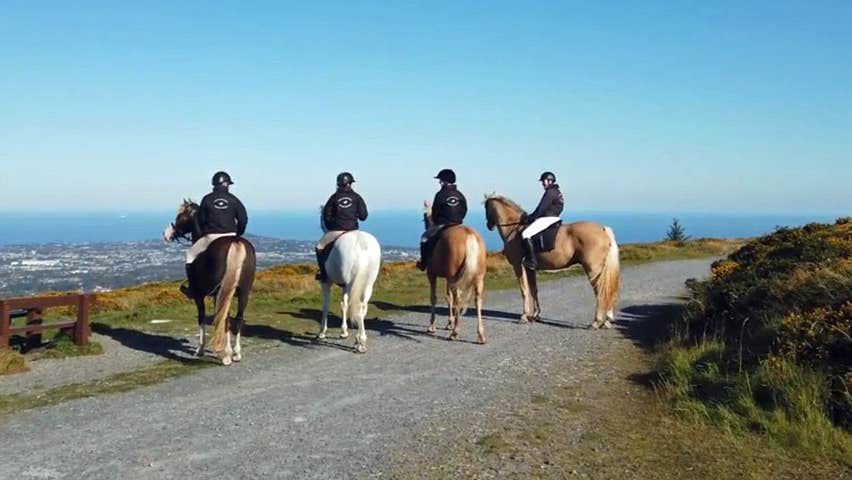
point(33, 308)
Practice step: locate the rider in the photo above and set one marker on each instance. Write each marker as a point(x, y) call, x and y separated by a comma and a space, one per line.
point(546, 214)
point(220, 214)
point(340, 215)
point(448, 208)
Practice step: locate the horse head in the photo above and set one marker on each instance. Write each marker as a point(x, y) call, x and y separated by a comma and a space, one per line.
point(185, 222)
point(502, 212)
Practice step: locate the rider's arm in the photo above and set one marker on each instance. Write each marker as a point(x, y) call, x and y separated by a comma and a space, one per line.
point(362, 209)
point(328, 212)
point(242, 218)
point(462, 206)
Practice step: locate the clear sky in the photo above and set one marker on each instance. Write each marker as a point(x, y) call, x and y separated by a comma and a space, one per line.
point(718, 106)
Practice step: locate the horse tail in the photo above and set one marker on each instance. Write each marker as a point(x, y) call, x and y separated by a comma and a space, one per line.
point(467, 277)
point(366, 271)
point(233, 269)
point(608, 282)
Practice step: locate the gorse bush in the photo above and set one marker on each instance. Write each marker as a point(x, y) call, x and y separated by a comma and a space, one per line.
point(776, 315)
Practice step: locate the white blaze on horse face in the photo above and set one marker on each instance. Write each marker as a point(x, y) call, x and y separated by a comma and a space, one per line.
point(169, 234)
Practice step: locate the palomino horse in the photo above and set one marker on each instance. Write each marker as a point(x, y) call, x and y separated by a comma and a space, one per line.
point(225, 268)
point(591, 245)
point(353, 263)
point(458, 256)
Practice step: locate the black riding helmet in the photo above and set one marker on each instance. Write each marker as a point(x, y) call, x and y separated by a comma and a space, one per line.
point(221, 178)
point(446, 175)
point(547, 176)
point(345, 178)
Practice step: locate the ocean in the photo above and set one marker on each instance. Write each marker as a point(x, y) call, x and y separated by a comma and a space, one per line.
point(392, 228)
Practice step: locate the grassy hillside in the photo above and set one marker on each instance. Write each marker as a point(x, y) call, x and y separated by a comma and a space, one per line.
point(764, 344)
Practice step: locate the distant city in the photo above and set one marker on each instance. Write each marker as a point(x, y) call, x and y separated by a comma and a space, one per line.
point(34, 268)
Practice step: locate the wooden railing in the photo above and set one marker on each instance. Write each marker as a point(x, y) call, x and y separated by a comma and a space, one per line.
point(33, 309)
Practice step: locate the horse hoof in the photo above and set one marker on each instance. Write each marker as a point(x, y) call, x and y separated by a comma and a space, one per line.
point(607, 324)
point(360, 349)
point(523, 320)
point(237, 357)
point(344, 335)
point(226, 361)
point(454, 336)
point(431, 330)
point(199, 352)
point(321, 336)
point(596, 325)
point(482, 340)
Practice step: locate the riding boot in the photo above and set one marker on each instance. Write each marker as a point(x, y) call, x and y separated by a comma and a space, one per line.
point(421, 264)
point(184, 288)
point(322, 255)
point(529, 259)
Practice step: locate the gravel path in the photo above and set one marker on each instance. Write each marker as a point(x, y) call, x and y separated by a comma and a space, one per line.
point(319, 411)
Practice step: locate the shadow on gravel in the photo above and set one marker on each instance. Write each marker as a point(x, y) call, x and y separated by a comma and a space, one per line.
point(179, 349)
point(290, 338)
point(407, 331)
point(444, 311)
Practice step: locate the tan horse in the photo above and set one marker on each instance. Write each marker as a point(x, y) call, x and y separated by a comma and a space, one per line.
point(589, 244)
point(459, 257)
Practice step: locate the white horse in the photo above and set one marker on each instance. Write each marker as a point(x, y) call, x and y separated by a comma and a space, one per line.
point(353, 263)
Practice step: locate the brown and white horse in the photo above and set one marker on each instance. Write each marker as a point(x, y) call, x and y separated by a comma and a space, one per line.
point(226, 268)
point(459, 257)
point(589, 244)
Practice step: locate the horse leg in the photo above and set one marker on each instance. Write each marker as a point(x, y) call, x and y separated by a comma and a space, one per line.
point(600, 309)
point(433, 299)
point(326, 294)
point(238, 322)
point(227, 355)
point(521, 275)
point(344, 305)
point(480, 326)
point(450, 317)
point(533, 284)
point(452, 304)
point(361, 338)
point(199, 305)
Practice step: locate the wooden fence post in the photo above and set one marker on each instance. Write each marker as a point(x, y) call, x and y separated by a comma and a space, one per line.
point(81, 329)
point(5, 324)
point(34, 318)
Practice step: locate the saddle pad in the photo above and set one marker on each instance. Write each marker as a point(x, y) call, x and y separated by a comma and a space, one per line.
point(546, 240)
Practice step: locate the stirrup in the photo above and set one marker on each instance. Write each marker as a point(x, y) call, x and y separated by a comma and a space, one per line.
point(184, 289)
point(530, 263)
point(421, 265)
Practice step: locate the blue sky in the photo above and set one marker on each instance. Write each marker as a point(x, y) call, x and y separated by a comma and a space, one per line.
point(637, 106)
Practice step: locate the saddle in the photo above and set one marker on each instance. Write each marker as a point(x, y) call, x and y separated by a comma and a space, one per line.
point(433, 239)
point(545, 240)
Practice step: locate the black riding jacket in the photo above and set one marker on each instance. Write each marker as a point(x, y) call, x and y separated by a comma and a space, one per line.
point(343, 210)
point(222, 212)
point(449, 206)
point(551, 204)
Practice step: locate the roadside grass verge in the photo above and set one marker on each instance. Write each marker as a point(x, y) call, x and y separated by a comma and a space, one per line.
point(763, 346)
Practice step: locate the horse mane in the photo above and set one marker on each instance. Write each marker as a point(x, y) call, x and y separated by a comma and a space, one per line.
point(187, 206)
point(508, 202)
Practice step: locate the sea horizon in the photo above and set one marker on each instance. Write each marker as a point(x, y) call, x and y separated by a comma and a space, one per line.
point(393, 227)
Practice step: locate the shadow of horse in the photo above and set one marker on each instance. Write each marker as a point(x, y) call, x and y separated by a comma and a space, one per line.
point(498, 315)
point(444, 311)
point(406, 331)
point(178, 349)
